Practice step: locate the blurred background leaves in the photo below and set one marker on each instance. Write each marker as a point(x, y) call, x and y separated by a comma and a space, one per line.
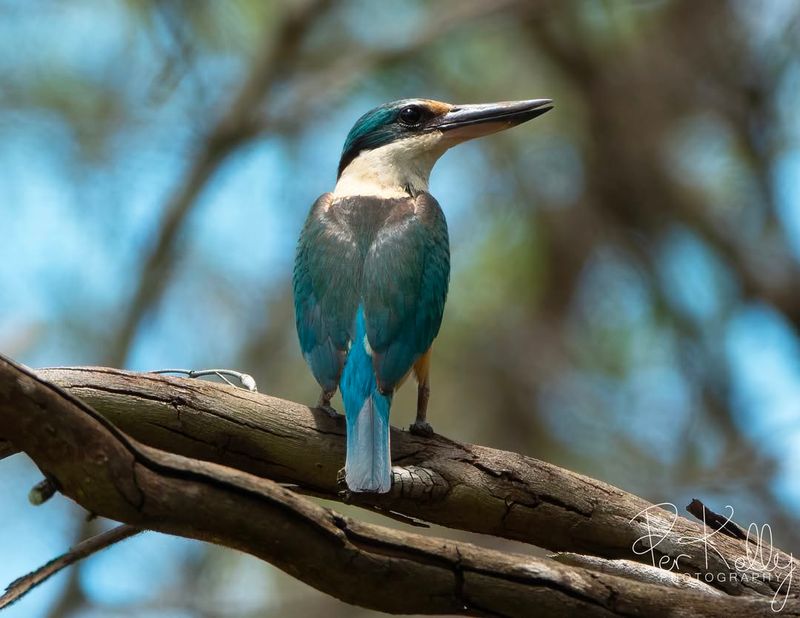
point(625, 298)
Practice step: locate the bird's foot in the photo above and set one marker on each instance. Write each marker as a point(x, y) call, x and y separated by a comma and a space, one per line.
point(324, 404)
point(421, 428)
point(345, 495)
point(329, 410)
point(245, 380)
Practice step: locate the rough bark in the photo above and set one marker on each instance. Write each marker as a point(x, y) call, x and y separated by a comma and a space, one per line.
point(437, 480)
point(93, 462)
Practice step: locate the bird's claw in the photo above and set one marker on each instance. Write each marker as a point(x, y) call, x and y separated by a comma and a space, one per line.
point(345, 495)
point(329, 410)
point(421, 428)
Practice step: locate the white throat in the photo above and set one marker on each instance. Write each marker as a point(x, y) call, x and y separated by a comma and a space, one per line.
point(394, 170)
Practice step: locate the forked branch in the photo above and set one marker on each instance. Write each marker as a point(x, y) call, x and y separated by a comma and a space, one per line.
point(111, 474)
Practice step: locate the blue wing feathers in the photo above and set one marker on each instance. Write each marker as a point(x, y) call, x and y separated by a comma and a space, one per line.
point(391, 255)
point(324, 297)
point(372, 269)
point(405, 284)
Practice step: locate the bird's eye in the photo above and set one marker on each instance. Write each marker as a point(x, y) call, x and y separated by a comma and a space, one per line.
point(411, 115)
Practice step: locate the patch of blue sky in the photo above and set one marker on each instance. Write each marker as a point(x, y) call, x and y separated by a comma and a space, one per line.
point(241, 223)
point(764, 359)
point(765, 20)
point(612, 292)
point(787, 193)
point(656, 411)
point(476, 196)
point(579, 402)
point(459, 184)
point(85, 253)
point(85, 32)
point(384, 24)
point(701, 153)
point(786, 101)
point(100, 222)
point(36, 201)
point(557, 171)
point(152, 563)
point(245, 586)
point(696, 281)
point(67, 29)
point(648, 410)
point(188, 330)
point(699, 149)
point(242, 234)
point(644, 414)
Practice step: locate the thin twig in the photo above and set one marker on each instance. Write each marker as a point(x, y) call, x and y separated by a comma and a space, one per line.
point(715, 520)
point(22, 586)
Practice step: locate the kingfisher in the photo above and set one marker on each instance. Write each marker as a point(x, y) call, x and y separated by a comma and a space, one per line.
point(372, 268)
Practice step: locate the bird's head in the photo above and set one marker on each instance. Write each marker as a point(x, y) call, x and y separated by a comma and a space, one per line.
point(391, 149)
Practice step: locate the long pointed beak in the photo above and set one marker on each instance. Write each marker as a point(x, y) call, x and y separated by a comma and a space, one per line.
point(465, 122)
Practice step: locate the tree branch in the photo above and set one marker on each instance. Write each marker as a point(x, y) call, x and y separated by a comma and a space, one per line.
point(635, 570)
point(461, 486)
point(109, 473)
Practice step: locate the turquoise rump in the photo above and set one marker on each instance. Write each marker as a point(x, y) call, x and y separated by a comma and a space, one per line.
point(372, 269)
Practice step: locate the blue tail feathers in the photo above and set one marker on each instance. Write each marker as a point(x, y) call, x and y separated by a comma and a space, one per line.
point(368, 466)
